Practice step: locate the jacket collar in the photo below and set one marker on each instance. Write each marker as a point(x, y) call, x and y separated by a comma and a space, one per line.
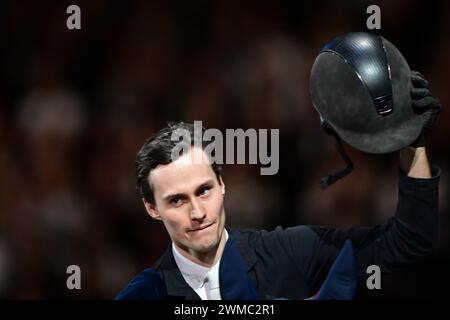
point(244, 247)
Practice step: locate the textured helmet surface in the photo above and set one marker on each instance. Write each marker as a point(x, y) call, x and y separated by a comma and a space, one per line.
point(360, 85)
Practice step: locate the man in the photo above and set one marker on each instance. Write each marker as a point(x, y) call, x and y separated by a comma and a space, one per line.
point(207, 260)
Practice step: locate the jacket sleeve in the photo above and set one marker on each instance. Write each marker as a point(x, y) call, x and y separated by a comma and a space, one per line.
point(402, 240)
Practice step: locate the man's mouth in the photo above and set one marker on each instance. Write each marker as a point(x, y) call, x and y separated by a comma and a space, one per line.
point(202, 227)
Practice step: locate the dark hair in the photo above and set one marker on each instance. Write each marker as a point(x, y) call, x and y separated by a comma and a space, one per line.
point(158, 150)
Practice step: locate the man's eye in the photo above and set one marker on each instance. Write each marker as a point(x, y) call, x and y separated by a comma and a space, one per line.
point(176, 202)
point(204, 191)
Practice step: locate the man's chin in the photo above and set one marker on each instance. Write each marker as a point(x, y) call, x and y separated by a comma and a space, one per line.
point(206, 246)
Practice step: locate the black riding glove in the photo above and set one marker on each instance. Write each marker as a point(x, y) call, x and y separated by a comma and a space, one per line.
point(424, 104)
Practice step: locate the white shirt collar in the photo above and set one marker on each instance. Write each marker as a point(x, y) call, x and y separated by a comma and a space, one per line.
point(194, 273)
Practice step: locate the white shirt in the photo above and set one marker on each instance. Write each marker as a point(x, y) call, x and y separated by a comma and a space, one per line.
point(203, 280)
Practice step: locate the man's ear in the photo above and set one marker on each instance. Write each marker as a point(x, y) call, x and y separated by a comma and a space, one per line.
point(151, 210)
point(222, 185)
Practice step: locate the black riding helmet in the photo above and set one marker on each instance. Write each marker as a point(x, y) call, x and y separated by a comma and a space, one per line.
point(360, 85)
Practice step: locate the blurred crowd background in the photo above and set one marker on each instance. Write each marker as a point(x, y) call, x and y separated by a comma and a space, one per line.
point(76, 105)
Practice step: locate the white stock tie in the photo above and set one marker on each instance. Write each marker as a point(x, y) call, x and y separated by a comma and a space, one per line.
point(212, 286)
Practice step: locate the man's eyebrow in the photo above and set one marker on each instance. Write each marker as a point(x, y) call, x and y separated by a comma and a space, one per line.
point(208, 182)
point(174, 195)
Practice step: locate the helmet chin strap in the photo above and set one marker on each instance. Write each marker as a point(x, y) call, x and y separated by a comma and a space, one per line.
point(333, 177)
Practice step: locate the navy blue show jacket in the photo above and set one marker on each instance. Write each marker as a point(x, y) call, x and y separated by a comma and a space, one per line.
point(293, 263)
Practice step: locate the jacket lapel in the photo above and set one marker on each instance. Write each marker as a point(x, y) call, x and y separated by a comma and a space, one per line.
point(235, 283)
point(247, 255)
point(177, 287)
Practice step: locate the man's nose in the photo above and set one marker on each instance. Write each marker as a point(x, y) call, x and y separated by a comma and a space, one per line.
point(197, 212)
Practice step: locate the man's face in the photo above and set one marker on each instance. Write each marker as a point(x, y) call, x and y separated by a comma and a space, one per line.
point(189, 201)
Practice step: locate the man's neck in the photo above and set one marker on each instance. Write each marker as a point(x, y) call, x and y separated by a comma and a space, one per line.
point(206, 259)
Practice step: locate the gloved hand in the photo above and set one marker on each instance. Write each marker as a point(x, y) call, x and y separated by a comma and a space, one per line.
point(423, 103)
